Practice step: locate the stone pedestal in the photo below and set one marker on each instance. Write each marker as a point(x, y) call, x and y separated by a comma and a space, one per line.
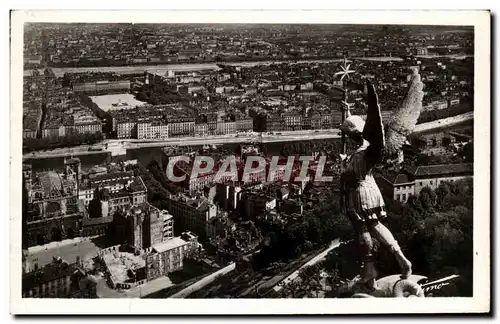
point(390, 286)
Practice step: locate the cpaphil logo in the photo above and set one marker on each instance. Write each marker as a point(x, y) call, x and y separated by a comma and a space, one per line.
point(230, 166)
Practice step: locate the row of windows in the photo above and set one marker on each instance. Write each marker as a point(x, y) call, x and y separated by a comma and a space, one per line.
point(421, 184)
point(402, 197)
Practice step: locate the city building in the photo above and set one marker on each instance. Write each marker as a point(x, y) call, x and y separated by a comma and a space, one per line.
point(244, 124)
point(293, 121)
point(126, 128)
point(168, 224)
point(256, 204)
point(65, 114)
point(181, 126)
point(168, 256)
point(53, 210)
point(191, 213)
point(228, 195)
point(201, 129)
point(275, 123)
point(226, 127)
point(436, 105)
point(32, 118)
point(100, 179)
point(422, 51)
point(401, 185)
point(152, 130)
point(193, 183)
point(117, 195)
point(101, 86)
point(140, 227)
point(432, 175)
point(292, 206)
point(55, 280)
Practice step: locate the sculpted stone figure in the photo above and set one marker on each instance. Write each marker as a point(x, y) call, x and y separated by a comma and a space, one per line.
point(361, 197)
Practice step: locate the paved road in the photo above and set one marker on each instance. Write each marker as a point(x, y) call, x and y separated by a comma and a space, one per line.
point(104, 291)
point(150, 287)
point(450, 121)
point(185, 141)
point(241, 139)
point(335, 244)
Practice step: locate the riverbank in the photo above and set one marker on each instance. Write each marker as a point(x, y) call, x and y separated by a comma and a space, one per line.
point(188, 66)
point(131, 144)
point(445, 122)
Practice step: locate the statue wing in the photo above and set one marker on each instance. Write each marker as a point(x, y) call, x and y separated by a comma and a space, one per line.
point(402, 122)
point(373, 131)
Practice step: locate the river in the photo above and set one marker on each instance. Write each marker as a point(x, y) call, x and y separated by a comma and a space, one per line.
point(143, 156)
point(162, 68)
point(147, 154)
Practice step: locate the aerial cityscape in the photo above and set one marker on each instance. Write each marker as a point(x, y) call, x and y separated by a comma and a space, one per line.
point(129, 130)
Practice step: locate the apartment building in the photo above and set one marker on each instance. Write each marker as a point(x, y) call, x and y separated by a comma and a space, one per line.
point(52, 281)
point(152, 130)
point(191, 213)
point(401, 185)
point(168, 256)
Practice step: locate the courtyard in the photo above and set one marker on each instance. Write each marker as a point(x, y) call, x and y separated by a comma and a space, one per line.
point(119, 265)
point(116, 101)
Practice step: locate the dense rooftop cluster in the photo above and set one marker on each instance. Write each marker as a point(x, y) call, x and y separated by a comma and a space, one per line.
point(118, 44)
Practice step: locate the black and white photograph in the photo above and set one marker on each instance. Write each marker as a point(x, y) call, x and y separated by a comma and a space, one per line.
point(186, 165)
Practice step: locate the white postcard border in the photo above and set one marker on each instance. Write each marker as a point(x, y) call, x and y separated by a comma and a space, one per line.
point(479, 303)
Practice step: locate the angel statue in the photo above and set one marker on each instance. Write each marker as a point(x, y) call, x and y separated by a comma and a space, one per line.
point(360, 196)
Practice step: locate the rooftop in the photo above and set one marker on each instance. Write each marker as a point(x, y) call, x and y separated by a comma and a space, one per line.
point(119, 263)
point(402, 178)
point(200, 203)
point(444, 169)
point(97, 221)
point(50, 180)
point(113, 176)
point(137, 185)
point(169, 244)
point(53, 271)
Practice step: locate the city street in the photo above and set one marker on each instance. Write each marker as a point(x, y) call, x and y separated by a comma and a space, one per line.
point(104, 291)
point(335, 244)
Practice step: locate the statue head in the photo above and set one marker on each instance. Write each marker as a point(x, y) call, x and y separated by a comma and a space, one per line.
point(353, 125)
point(353, 128)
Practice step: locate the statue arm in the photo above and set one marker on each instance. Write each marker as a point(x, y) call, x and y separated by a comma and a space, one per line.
point(343, 192)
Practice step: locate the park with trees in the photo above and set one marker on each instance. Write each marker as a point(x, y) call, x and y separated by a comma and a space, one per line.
point(435, 229)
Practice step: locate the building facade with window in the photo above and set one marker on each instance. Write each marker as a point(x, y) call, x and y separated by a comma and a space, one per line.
point(401, 185)
point(168, 224)
point(52, 281)
point(168, 256)
point(53, 211)
point(433, 175)
point(126, 129)
point(152, 130)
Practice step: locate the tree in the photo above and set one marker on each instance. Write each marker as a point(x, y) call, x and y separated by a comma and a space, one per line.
point(428, 199)
point(468, 152)
point(435, 232)
point(95, 208)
